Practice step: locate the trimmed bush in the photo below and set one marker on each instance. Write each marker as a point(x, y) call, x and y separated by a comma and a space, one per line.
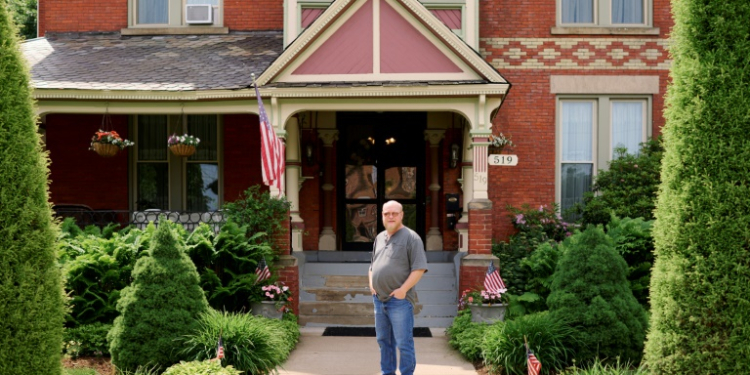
point(252, 344)
point(590, 291)
point(31, 294)
point(201, 368)
point(465, 336)
point(161, 305)
point(86, 340)
point(504, 351)
point(700, 317)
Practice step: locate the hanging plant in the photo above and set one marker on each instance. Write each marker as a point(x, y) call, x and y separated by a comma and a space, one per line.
point(108, 143)
point(498, 143)
point(183, 145)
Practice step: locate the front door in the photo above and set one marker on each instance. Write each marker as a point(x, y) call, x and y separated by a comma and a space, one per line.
point(380, 158)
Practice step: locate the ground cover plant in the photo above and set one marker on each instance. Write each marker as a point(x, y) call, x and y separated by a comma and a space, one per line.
point(699, 286)
point(31, 294)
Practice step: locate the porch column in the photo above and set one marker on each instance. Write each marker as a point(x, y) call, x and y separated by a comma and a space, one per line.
point(467, 187)
point(293, 173)
point(327, 236)
point(434, 237)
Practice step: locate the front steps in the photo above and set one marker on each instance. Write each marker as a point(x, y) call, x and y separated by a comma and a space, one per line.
point(337, 293)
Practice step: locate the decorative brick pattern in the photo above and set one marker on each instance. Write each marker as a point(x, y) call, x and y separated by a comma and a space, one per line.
point(576, 53)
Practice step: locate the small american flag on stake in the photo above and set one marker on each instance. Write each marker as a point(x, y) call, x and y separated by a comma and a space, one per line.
point(492, 280)
point(262, 271)
point(220, 349)
point(531, 361)
point(272, 152)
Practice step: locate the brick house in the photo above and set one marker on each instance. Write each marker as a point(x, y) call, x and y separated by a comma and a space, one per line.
point(375, 99)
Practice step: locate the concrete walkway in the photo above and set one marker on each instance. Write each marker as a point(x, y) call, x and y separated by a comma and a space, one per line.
point(318, 355)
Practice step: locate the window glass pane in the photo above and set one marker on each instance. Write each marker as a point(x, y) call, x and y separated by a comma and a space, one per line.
point(577, 131)
point(152, 138)
point(153, 186)
point(627, 126)
point(627, 11)
point(361, 181)
point(202, 187)
point(400, 183)
point(206, 129)
point(575, 180)
point(212, 2)
point(410, 216)
point(361, 222)
point(577, 11)
point(153, 11)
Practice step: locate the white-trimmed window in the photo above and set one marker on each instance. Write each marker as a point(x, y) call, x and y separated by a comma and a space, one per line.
point(165, 181)
point(169, 13)
point(589, 131)
point(604, 13)
point(452, 15)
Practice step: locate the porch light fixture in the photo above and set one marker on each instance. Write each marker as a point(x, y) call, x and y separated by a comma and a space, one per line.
point(309, 154)
point(454, 156)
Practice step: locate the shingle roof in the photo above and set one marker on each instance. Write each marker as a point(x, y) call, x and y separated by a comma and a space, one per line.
point(154, 63)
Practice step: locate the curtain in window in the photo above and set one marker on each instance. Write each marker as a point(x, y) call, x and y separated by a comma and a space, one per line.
point(577, 131)
point(206, 129)
point(627, 126)
point(153, 11)
point(152, 138)
point(212, 2)
point(578, 11)
point(575, 179)
point(627, 11)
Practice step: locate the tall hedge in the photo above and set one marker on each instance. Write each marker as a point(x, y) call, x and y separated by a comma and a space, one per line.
point(162, 304)
point(31, 294)
point(700, 285)
point(590, 291)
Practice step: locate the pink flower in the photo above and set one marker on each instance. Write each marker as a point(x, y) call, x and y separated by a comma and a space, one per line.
point(471, 299)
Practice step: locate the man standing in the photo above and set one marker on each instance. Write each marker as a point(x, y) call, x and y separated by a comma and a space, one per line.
point(398, 262)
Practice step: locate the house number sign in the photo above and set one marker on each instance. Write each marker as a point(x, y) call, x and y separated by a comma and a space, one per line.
point(502, 159)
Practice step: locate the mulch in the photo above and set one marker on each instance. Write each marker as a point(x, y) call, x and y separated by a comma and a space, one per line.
point(102, 365)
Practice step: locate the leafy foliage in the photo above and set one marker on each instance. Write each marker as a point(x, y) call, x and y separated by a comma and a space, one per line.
point(511, 253)
point(162, 304)
point(202, 368)
point(544, 222)
point(590, 291)
point(86, 340)
point(466, 336)
point(252, 344)
point(699, 286)
point(548, 337)
point(632, 239)
point(540, 266)
point(628, 188)
point(31, 294)
point(258, 212)
point(601, 368)
point(24, 15)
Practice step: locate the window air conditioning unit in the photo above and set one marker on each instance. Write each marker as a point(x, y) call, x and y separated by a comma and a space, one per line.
point(199, 13)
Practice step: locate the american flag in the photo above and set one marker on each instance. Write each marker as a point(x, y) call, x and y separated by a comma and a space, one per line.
point(220, 349)
point(272, 154)
point(262, 271)
point(492, 280)
point(534, 365)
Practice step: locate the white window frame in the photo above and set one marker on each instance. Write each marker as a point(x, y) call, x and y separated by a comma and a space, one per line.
point(602, 21)
point(176, 165)
point(454, 5)
point(176, 15)
point(602, 152)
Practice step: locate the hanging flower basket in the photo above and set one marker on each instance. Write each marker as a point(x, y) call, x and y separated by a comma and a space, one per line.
point(182, 150)
point(108, 143)
point(498, 143)
point(492, 150)
point(106, 150)
point(183, 145)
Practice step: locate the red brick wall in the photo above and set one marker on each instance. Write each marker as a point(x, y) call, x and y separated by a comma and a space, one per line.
point(79, 175)
point(241, 155)
point(254, 15)
point(471, 278)
point(290, 277)
point(480, 231)
point(82, 15)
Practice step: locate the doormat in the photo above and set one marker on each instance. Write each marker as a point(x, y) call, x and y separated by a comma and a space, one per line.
point(368, 331)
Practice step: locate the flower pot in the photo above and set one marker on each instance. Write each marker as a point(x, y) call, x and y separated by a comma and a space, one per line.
point(182, 150)
point(105, 149)
point(487, 313)
point(267, 309)
point(494, 150)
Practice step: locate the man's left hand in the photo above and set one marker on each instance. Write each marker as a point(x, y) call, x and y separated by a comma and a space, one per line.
point(399, 293)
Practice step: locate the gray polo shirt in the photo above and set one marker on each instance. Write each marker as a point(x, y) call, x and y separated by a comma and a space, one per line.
point(394, 260)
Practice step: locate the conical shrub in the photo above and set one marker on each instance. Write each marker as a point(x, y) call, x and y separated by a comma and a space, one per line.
point(700, 284)
point(31, 292)
point(162, 304)
point(590, 292)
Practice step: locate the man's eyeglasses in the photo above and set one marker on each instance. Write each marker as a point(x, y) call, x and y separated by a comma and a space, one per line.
point(387, 214)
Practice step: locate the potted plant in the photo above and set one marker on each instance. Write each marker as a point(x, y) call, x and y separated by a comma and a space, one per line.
point(274, 298)
point(183, 145)
point(498, 143)
point(108, 143)
point(485, 306)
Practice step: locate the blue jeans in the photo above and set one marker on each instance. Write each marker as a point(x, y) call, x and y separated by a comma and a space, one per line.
point(394, 327)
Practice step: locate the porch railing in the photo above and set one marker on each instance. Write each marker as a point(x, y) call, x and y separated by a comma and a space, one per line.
point(189, 220)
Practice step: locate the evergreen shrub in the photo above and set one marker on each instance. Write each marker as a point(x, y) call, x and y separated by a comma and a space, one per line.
point(162, 304)
point(201, 368)
point(700, 285)
point(590, 292)
point(86, 340)
point(31, 291)
point(252, 344)
point(632, 239)
point(548, 337)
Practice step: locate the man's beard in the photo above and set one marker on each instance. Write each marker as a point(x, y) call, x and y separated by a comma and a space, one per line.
point(391, 226)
